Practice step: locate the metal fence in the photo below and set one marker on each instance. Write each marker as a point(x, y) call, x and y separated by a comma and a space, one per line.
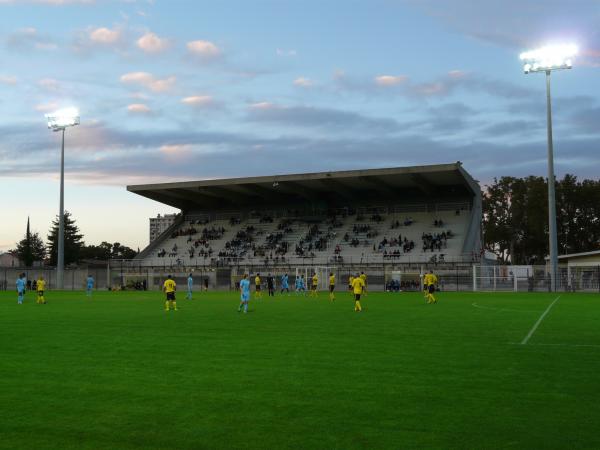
point(389, 277)
point(574, 278)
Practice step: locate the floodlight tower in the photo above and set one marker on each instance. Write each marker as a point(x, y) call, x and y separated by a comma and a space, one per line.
point(59, 121)
point(547, 59)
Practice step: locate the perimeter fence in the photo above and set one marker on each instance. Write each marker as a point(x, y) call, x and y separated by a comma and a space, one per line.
point(130, 275)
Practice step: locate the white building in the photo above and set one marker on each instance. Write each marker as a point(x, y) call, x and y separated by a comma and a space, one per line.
point(159, 224)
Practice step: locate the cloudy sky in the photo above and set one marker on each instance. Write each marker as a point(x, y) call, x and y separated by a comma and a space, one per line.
point(180, 90)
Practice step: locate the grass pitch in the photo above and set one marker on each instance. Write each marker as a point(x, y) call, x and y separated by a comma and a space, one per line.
point(118, 372)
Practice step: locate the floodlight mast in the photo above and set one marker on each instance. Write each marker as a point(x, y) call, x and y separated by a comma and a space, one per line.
point(59, 121)
point(547, 59)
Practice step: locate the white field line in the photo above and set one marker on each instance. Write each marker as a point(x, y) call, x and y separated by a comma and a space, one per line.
point(537, 324)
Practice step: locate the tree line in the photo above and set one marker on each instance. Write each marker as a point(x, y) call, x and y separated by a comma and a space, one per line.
point(515, 218)
point(33, 249)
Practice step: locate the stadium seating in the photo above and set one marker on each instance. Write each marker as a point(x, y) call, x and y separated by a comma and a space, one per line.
point(368, 235)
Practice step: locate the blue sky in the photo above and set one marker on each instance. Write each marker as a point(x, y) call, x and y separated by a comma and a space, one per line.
point(180, 90)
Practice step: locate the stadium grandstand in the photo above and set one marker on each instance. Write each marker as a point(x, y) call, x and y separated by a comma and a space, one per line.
point(420, 214)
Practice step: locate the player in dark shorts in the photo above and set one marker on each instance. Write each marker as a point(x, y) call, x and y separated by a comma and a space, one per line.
point(271, 285)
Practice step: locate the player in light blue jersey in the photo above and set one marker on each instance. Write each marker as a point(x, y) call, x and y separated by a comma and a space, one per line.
point(244, 293)
point(89, 285)
point(298, 285)
point(303, 287)
point(285, 284)
point(21, 285)
point(190, 284)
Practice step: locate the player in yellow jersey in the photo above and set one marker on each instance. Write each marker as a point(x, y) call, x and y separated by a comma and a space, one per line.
point(426, 285)
point(169, 287)
point(364, 278)
point(314, 285)
point(331, 286)
point(432, 281)
point(357, 288)
point(40, 286)
point(257, 283)
point(350, 279)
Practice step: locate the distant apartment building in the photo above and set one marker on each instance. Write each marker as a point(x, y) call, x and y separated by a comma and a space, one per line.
point(159, 224)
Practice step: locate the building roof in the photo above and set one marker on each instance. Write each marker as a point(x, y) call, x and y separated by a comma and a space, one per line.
point(400, 183)
point(577, 255)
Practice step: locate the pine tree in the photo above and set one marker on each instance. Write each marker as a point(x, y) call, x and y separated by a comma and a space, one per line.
point(31, 248)
point(73, 241)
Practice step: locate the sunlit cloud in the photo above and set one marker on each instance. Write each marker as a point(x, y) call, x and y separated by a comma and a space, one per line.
point(149, 81)
point(139, 108)
point(92, 39)
point(104, 36)
point(175, 148)
point(199, 101)
point(204, 50)
point(303, 82)
point(152, 43)
point(390, 80)
point(46, 107)
point(262, 106)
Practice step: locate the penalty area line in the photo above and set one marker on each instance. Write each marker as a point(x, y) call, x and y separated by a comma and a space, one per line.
point(537, 324)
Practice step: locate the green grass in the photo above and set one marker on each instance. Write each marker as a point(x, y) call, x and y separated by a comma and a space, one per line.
point(117, 372)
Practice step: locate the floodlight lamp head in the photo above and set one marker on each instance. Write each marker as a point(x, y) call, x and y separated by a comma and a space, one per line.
point(551, 57)
point(62, 119)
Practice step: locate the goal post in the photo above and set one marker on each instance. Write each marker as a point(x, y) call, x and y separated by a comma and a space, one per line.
point(322, 274)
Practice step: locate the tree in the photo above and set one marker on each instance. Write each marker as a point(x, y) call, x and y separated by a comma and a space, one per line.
point(73, 241)
point(515, 217)
point(106, 251)
point(30, 249)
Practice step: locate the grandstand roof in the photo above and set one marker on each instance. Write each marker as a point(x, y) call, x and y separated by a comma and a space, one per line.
point(398, 183)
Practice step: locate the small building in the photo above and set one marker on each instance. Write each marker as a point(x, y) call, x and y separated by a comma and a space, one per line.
point(579, 271)
point(581, 259)
point(9, 260)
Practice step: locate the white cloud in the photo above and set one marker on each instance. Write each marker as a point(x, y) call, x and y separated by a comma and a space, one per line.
point(263, 105)
point(282, 52)
point(48, 2)
point(204, 49)
point(49, 84)
point(390, 80)
point(139, 95)
point(198, 101)
point(148, 81)
point(8, 79)
point(46, 107)
point(303, 82)
point(139, 108)
point(104, 36)
point(28, 38)
point(151, 43)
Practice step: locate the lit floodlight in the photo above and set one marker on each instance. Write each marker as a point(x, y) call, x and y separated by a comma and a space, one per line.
point(551, 57)
point(547, 59)
point(59, 121)
point(63, 118)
